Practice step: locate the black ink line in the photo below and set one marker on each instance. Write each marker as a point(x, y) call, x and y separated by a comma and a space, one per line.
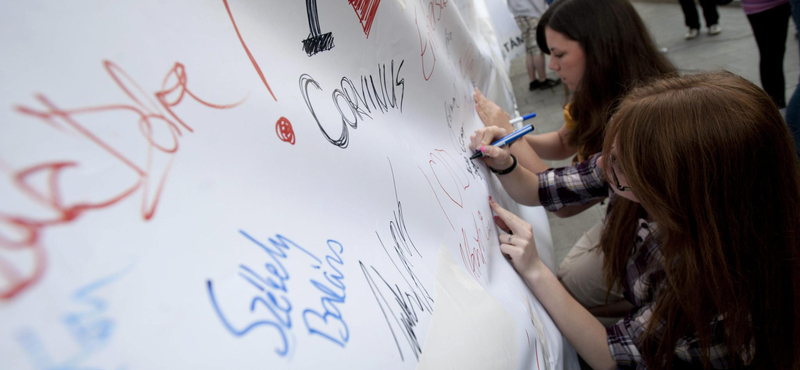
point(343, 140)
point(352, 98)
point(316, 42)
point(380, 100)
point(411, 301)
point(399, 222)
point(408, 319)
point(372, 286)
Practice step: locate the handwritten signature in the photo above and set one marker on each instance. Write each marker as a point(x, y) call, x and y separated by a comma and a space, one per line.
point(413, 298)
point(379, 98)
point(271, 302)
point(160, 128)
point(91, 329)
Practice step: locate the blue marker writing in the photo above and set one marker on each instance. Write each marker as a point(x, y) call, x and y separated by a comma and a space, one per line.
point(510, 138)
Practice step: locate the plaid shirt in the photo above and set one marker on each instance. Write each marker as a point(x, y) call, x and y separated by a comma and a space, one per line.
point(644, 276)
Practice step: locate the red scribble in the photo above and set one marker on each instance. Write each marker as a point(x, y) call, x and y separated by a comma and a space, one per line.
point(535, 350)
point(437, 199)
point(471, 261)
point(247, 50)
point(442, 159)
point(146, 114)
point(430, 28)
point(178, 90)
point(529, 338)
point(466, 62)
point(433, 5)
point(423, 48)
point(488, 226)
point(474, 258)
point(365, 10)
point(30, 243)
point(284, 130)
point(439, 155)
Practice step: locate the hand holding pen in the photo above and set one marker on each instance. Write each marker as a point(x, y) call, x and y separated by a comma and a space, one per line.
point(484, 143)
point(508, 139)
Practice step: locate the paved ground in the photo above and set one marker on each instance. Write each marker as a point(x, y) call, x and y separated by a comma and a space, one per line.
point(734, 49)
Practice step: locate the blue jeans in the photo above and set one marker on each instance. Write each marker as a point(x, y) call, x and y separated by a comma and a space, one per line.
point(793, 109)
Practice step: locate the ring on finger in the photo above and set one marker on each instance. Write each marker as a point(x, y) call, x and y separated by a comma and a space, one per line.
point(509, 239)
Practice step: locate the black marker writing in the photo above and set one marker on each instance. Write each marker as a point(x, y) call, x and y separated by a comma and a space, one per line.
point(358, 105)
point(407, 302)
point(316, 42)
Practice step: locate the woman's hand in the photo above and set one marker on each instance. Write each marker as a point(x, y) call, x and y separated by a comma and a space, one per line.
point(517, 241)
point(494, 157)
point(491, 114)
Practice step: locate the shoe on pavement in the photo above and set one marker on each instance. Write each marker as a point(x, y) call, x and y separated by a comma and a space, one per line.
point(714, 29)
point(548, 83)
point(693, 32)
point(535, 84)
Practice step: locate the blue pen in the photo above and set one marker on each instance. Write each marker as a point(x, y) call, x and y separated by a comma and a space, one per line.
point(508, 139)
point(520, 119)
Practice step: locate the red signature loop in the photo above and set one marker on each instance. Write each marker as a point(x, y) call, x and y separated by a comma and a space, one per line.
point(474, 257)
point(442, 161)
point(433, 5)
point(437, 162)
point(430, 28)
point(147, 115)
point(423, 47)
point(453, 183)
point(466, 63)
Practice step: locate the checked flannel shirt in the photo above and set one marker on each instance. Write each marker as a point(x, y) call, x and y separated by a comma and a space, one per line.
point(644, 276)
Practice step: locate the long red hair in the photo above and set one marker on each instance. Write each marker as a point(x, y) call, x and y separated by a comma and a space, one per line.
point(713, 164)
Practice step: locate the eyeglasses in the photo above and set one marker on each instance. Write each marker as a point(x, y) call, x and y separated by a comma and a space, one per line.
point(616, 180)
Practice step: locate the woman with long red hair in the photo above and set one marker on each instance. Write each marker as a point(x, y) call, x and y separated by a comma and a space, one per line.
point(702, 231)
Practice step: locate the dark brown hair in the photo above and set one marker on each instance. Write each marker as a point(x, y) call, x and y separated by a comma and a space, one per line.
point(713, 164)
point(619, 54)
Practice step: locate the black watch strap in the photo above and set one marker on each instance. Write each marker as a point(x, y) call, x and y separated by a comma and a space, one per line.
point(507, 170)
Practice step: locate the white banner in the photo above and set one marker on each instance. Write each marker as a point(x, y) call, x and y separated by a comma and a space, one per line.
point(227, 184)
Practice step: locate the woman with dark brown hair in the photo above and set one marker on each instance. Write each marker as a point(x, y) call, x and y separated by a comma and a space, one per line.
point(702, 229)
point(600, 49)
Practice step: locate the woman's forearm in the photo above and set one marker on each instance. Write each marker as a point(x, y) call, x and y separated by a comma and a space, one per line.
point(527, 157)
point(586, 334)
point(551, 145)
point(522, 185)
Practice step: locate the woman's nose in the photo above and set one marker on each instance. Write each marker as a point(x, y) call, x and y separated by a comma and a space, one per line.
point(553, 64)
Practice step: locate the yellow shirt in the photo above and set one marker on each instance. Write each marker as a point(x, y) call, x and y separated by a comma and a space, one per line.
point(570, 124)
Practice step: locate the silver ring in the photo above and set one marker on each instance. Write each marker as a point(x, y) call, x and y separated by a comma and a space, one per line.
point(509, 239)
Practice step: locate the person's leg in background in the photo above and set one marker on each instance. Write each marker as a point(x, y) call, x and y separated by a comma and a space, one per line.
point(770, 28)
point(534, 60)
point(527, 26)
point(530, 64)
point(539, 66)
point(793, 109)
point(582, 275)
point(711, 16)
point(690, 17)
point(538, 60)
